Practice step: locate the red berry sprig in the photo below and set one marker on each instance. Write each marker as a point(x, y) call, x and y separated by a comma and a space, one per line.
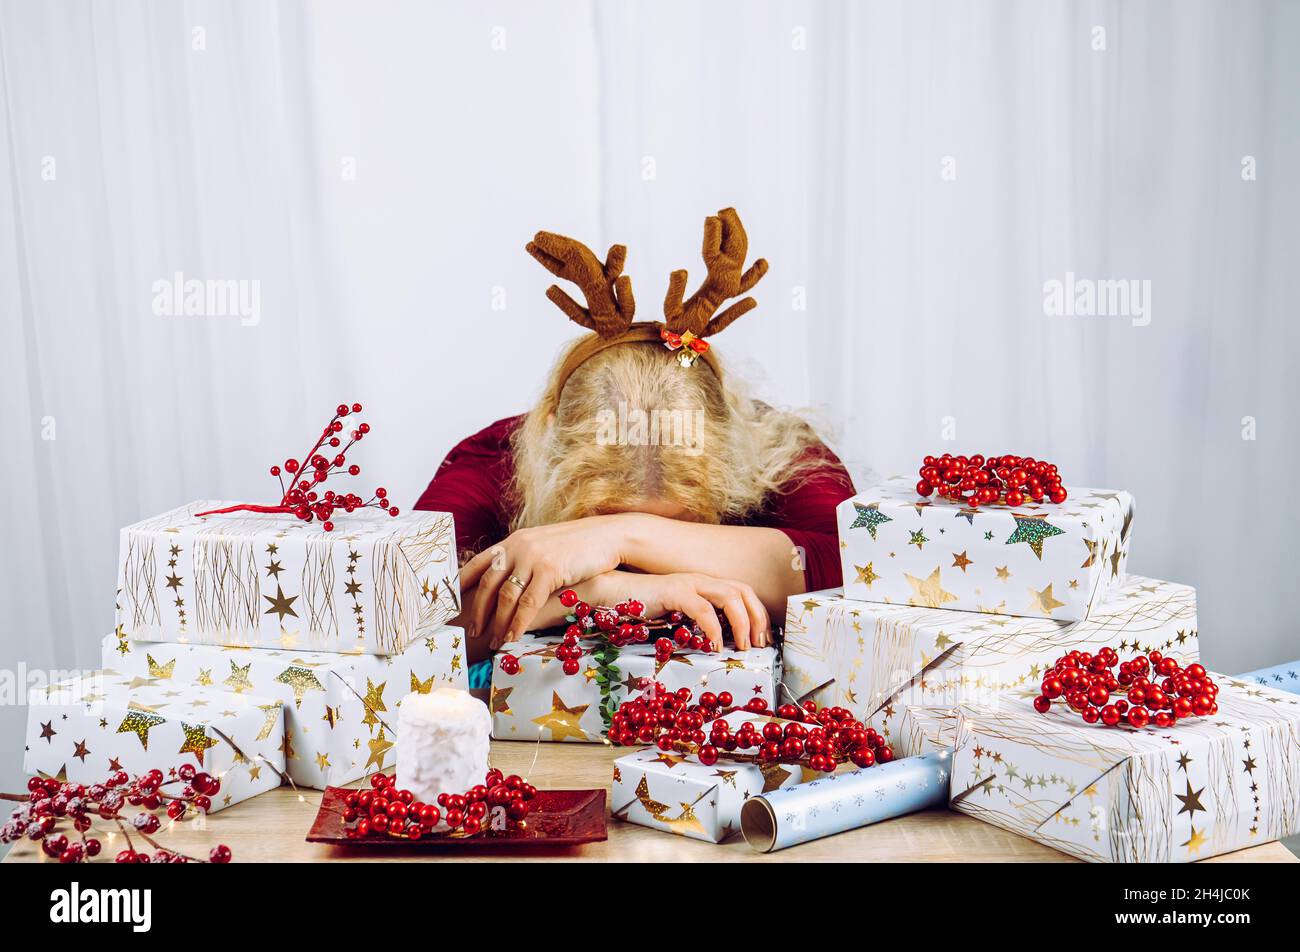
point(49, 803)
point(976, 480)
point(386, 810)
point(301, 498)
point(818, 739)
point(621, 625)
point(1088, 685)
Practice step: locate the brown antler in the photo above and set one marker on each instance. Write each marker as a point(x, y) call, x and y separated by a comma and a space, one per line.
point(725, 247)
point(608, 292)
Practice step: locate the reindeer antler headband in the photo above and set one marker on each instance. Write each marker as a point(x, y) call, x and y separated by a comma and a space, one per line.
point(611, 307)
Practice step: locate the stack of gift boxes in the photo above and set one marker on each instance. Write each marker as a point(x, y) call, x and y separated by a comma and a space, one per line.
point(260, 649)
point(947, 622)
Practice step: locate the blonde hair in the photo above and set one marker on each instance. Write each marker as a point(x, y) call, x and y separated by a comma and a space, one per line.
point(597, 439)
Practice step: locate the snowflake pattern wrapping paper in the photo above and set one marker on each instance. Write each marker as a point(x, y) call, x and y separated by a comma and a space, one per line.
point(540, 700)
point(339, 710)
point(1038, 560)
point(1283, 677)
point(874, 658)
point(845, 801)
point(87, 727)
point(1206, 786)
point(373, 585)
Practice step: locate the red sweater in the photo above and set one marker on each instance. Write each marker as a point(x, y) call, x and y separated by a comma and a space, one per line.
point(472, 480)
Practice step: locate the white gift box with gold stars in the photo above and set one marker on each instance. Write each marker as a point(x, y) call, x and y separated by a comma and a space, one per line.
point(678, 794)
point(1038, 560)
point(1205, 786)
point(86, 728)
point(340, 710)
point(541, 702)
point(874, 658)
point(374, 584)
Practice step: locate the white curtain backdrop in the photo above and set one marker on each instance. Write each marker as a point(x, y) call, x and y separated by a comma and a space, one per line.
point(914, 172)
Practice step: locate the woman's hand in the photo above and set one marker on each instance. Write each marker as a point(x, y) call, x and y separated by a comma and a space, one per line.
point(513, 580)
point(701, 597)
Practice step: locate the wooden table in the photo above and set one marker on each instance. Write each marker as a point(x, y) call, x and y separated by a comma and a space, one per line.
point(271, 827)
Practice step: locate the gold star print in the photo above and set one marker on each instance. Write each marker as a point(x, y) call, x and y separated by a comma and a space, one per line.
point(728, 776)
point(255, 772)
point(651, 806)
point(1191, 800)
point(289, 639)
point(773, 776)
point(322, 762)
point(865, 575)
point(499, 700)
point(562, 721)
point(378, 748)
point(238, 680)
point(591, 674)
point(1003, 574)
point(918, 539)
point(301, 680)
point(959, 560)
point(205, 676)
point(271, 548)
point(1114, 562)
point(677, 656)
point(809, 604)
point(1043, 601)
point(274, 569)
point(1183, 761)
point(331, 716)
point(196, 741)
point(421, 687)
point(928, 592)
point(374, 703)
point(138, 722)
point(1195, 841)
point(669, 760)
point(353, 587)
point(1248, 764)
point(82, 751)
point(281, 604)
point(174, 581)
point(160, 671)
point(273, 715)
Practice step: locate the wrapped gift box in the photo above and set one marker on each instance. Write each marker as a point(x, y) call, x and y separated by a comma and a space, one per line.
point(340, 710)
point(676, 794)
point(85, 728)
point(1283, 677)
point(1038, 560)
point(1208, 785)
point(542, 701)
point(373, 585)
point(922, 729)
point(874, 658)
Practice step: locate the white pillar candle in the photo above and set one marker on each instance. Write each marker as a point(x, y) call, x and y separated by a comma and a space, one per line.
point(442, 743)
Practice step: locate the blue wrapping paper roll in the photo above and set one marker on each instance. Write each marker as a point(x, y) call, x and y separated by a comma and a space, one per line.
point(834, 804)
point(1280, 677)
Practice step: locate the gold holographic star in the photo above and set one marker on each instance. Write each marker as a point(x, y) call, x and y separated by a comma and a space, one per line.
point(562, 721)
point(301, 680)
point(928, 592)
point(196, 741)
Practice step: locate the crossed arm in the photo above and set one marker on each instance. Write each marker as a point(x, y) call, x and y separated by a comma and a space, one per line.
point(668, 564)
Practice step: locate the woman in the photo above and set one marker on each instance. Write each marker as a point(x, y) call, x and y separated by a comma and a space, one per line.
point(643, 472)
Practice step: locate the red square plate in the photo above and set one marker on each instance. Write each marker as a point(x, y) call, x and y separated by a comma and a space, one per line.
point(558, 818)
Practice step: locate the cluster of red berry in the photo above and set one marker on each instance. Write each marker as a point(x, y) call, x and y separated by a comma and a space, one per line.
point(385, 809)
point(819, 739)
point(977, 480)
point(1087, 684)
point(622, 625)
point(50, 801)
point(300, 496)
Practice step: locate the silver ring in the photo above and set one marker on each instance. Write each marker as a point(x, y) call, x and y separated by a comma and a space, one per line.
point(515, 579)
